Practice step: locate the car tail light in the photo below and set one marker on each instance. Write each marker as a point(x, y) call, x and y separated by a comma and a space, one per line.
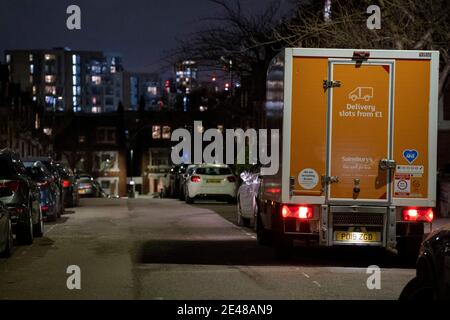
point(66, 183)
point(43, 183)
point(196, 179)
point(295, 211)
point(418, 214)
point(231, 179)
point(11, 185)
point(44, 208)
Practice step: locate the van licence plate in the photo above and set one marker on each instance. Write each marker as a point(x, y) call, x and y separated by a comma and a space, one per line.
point(213, 180)
point(356, 237)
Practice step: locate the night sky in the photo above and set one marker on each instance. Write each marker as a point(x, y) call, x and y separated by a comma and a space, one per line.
point(144, 31)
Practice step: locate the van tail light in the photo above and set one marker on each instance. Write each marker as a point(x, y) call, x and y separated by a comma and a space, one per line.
point(295, 211)
point(418, 214)
point(43, 183)
point(196, 179)
point(11, 185)
point(231, 179)
point(44, 208)
point(66, 183)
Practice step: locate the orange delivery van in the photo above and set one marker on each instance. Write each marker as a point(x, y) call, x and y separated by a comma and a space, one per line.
point(358, 140)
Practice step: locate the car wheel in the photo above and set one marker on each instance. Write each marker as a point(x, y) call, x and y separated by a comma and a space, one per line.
point(240, 220)
point(9, 243)
point(418, 290)
point(263, 236)
point(38, 228)
point(188, 198)
point(25, 231)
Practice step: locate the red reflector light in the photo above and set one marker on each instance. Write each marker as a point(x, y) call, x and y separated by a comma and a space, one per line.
point(418, 214)
point(299, 212)
point(196, 179)
point(231, 179)
point(11, 185)
point(44, 208)
point(66, 183)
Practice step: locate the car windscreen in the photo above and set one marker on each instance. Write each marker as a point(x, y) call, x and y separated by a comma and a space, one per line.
point(213, 171)
point(6, 169)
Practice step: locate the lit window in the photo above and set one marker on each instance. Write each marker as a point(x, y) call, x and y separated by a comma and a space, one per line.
point(97, 80)
point(48, 131)
point(31, 68)
point(152, 90)
point(50, 57)
point(31, 79)
point(81, 139)
point(34, 90)
point(166, 132)
point(30, 57)
point(49, 79)
point(156, 132)
point(220, 128)
point(37, 122)
point(200, 128)
point(34, 98)
point(50, 90)
point(8, 58)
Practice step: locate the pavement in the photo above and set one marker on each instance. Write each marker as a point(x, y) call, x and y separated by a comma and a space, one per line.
point(148, 248)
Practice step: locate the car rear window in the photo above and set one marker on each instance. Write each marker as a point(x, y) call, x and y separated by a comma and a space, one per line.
point(213, 171)
point(36, 173)
point(6, 169)
point(85, 180)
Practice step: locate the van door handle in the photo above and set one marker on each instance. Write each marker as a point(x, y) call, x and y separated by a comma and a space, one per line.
point(387, 164)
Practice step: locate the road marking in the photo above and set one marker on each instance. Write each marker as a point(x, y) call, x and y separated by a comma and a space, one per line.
point(317, 284)
point(306, 275)
point(51, 228)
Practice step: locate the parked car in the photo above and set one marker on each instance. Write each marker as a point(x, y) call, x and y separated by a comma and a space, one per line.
point(432, 279)
point(51, 167)
point(247, 205)
point(69, 183)
point(174, 180)
point(183, 178)
point(88, 186)
point(211, 181)
point(49, 193)
point(6, 234)
point(21, 198)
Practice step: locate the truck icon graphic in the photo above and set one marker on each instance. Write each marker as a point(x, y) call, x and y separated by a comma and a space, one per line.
point(361, 93)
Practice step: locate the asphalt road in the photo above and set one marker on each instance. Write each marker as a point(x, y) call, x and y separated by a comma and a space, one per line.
point(166, 249)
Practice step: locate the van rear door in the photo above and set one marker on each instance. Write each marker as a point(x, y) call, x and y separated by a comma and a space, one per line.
point(359, 155)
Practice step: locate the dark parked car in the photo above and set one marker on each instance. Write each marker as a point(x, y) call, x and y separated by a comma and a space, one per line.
point(50, 165)
point(69, 183)
point(175, 180)
point(432, 279)
point(6, 235)
point(48, 189)
point(21, 197)
point(89, 187)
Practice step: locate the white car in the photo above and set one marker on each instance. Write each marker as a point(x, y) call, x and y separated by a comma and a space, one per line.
point(211, 181)
point(247, 205)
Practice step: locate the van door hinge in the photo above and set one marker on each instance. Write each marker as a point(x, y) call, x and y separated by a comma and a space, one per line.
point(331, 84)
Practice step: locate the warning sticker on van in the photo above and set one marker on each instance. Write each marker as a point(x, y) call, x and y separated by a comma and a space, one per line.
point(402, 184)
